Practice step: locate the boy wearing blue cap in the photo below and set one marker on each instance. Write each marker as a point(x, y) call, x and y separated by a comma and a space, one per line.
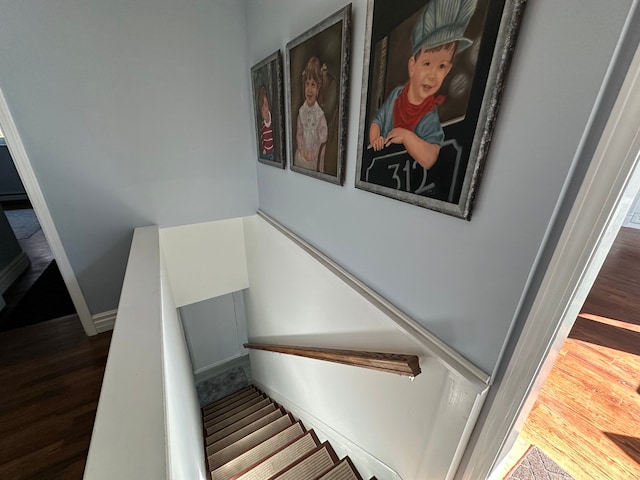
point(409, 115)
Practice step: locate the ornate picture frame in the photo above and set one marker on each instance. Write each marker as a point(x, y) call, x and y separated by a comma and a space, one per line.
point(317, 70)
point(404, 40)
point(268, 108)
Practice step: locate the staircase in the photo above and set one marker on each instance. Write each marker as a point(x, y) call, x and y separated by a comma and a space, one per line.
point(250, 437)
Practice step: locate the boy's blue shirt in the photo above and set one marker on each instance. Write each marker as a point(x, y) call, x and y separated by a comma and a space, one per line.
point(428, 128)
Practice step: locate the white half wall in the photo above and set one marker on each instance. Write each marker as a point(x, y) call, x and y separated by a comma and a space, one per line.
point(129, 434)
point(205, 260)
point(148, 423)
point(182, 408)
point(396, 427)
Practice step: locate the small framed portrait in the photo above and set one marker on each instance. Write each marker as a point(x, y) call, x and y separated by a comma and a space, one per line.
point(317, 69)
point(267, 87)
point(434, 71)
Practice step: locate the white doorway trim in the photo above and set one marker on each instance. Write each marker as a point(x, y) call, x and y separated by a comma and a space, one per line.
point(608, 190)
point(32, 187)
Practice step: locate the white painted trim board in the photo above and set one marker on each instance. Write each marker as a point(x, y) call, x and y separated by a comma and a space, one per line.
point(105, 321)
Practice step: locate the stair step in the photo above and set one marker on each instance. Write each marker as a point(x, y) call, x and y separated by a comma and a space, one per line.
point(237, 406)
point(244, 431)
point(281, 459)
point(235, 399)
point(342, 471)
point(312, 465)
point(239, 447)
point(257, 453)
point(214, 437)
point(231, 397)
point(231, 420)
point(210, 421)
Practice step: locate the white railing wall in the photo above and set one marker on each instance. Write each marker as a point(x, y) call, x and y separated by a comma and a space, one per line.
point(147, 425)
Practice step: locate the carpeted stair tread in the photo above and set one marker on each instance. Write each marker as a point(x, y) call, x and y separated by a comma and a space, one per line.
point(244, 431)
point(214, 437)
point(228, 398)
point(342, 471)
point(281, 459)
point(210, 421)
point(242, 445)
point(311, 465)
point(231, 420)
point(233, 408)
point(211, 407)
point(257, 453)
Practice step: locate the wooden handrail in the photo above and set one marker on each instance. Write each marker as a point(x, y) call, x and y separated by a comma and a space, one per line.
point(386, 362)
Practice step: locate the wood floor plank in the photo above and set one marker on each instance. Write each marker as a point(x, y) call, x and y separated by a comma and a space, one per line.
point(51, 374)
point(587, 414)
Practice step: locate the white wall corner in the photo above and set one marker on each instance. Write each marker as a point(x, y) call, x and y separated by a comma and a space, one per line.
point(205, 260)
point(12, 271)
point(241, 321)
point(105, 321)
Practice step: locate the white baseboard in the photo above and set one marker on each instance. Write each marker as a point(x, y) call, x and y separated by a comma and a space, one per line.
point(12, 271)
point(211, 366)
point(367, 464)
point(105, 321)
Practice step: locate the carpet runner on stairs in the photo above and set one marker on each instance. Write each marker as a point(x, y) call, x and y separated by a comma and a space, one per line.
point(250, 437)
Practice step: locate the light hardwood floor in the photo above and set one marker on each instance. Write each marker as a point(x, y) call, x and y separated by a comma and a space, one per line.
point(587, 415)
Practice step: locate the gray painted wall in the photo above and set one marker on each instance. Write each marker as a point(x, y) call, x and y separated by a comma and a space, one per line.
point(461, 280)
point(132, 113)
point(135, 113)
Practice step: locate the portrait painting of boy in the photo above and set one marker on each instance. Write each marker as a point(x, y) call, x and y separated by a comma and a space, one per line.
point(427, 68)
point(266, 79)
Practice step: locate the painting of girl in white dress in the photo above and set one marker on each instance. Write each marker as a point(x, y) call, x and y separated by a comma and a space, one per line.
point(317, 68)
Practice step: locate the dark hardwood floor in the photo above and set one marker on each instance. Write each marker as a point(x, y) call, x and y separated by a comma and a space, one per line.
point(587, 415)
point(50, 378)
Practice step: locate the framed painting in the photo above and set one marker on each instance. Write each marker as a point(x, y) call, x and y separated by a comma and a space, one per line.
point(434, 71)
point(317, 69)
point(267, 88)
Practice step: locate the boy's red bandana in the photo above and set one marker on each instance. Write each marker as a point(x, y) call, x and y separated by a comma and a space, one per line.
point(406, 115)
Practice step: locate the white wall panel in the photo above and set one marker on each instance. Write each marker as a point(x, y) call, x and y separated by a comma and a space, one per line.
point(416, 428)
point(214, 331)
point(205, 260)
